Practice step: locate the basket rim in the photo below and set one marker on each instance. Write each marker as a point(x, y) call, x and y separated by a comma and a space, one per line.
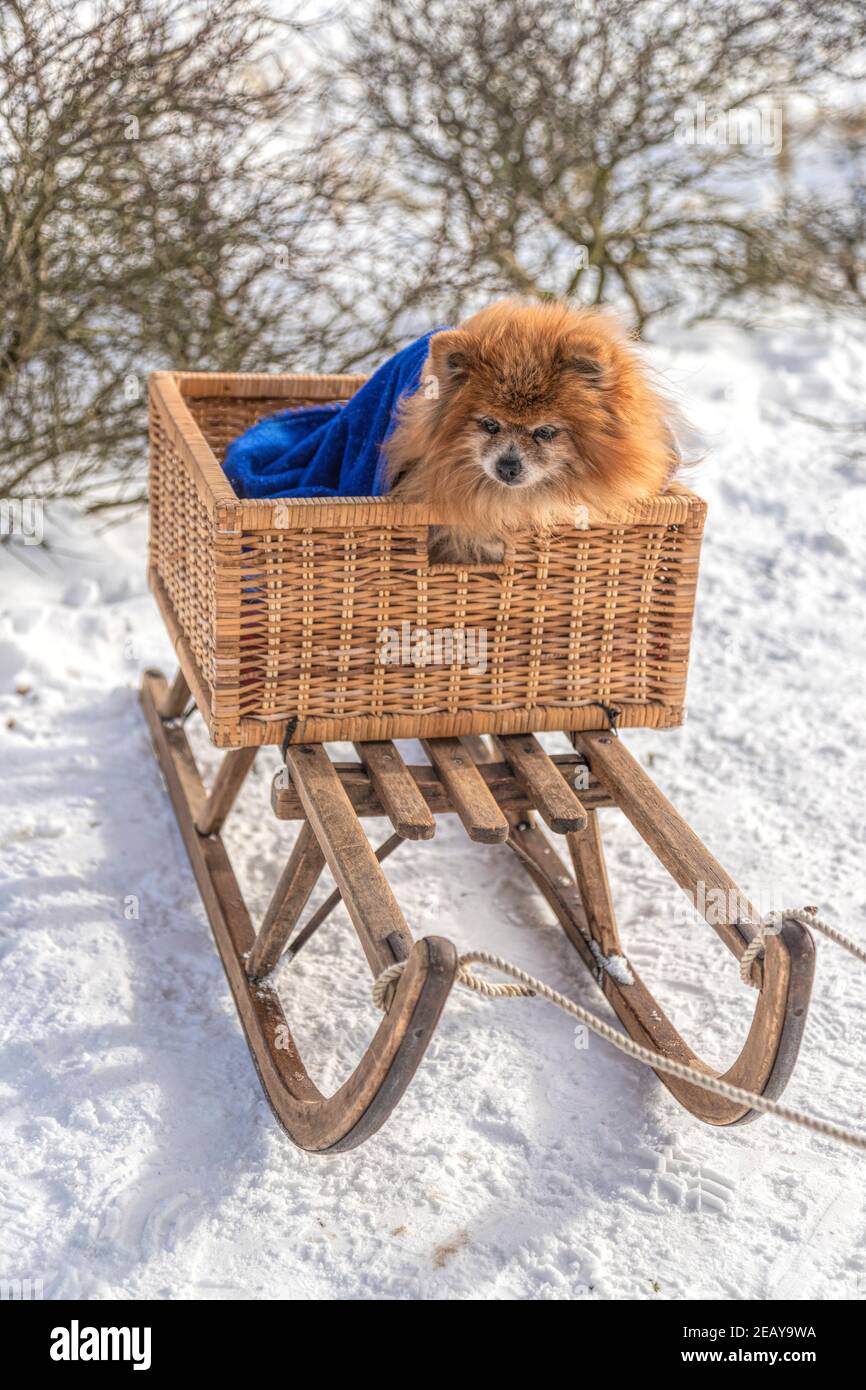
point(170, 390)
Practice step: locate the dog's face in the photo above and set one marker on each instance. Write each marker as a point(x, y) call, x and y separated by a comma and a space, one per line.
point(527, 412)
point(497, 442)
point(516, 455)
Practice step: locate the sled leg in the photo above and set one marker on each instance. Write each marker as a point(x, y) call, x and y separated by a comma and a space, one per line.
point(676, 845)
point(671, 839)
point(323, 913)
point(590, 872)
point(364, 1101)
point(784, 976)
point(585, 910)
point(638, 1010)
point(176, 697)
point(297, 882)
point(365, 890)
point(231, 775)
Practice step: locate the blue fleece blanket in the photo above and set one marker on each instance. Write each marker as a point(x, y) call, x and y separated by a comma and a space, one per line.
point(327, 450)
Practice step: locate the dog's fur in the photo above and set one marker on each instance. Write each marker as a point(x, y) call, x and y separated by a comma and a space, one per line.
point(486, 390)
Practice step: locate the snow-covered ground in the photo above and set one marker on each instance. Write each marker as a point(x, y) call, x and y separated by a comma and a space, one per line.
point(139, 1157)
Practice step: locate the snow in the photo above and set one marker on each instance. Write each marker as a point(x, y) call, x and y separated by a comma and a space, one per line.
point(615, 965)
point(526, 1161)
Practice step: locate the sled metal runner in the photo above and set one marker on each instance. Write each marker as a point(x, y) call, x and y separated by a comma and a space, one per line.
point(498, 798)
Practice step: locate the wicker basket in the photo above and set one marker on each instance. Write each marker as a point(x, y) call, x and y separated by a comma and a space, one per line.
point(287, 615)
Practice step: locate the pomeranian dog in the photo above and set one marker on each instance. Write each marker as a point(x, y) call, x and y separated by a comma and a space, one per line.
point(528, 416)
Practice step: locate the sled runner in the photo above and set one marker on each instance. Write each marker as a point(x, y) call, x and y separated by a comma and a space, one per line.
point(278, 610)
point(497, 801)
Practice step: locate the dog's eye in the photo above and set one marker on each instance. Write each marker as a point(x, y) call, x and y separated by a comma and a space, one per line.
point(491, 426)
point(544, 433)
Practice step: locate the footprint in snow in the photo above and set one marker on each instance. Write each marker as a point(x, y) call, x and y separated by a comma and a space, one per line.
point(149, 1218)
point(676, 1176)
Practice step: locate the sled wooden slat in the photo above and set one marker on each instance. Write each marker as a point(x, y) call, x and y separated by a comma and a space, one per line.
point(291, 894)
point(544, 785)
point(479, 811)
point(397, 790)
point(365, 1100)
point(369, 901)
point(230, 777)
point(500, 781)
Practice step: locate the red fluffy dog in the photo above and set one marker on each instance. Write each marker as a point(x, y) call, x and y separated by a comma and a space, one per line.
point(528, 416)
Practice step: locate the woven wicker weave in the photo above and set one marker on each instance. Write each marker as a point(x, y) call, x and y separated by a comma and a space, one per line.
point(277, 609)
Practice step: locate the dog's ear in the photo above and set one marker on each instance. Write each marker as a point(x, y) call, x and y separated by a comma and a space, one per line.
point(589, 369)
point(450, 357)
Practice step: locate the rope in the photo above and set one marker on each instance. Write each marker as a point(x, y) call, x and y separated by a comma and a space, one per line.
point(391, 974)
point(772, 924)
point(528, 986)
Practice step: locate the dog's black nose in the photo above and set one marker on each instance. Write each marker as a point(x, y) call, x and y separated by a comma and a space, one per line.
point(508, 468)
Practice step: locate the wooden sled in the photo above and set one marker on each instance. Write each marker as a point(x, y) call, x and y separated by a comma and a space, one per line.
point(497, 800)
